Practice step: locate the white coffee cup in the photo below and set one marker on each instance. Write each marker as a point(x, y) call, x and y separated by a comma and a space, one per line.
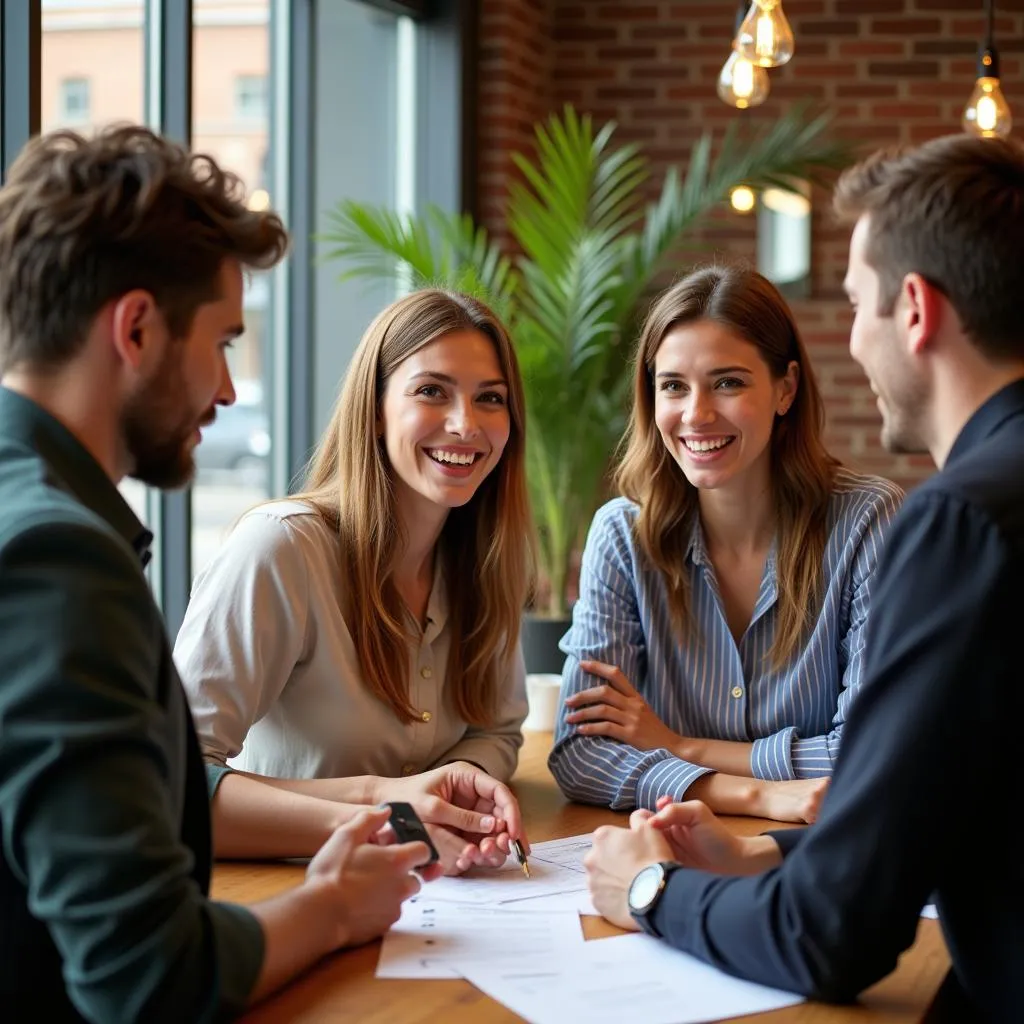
point(542, 691)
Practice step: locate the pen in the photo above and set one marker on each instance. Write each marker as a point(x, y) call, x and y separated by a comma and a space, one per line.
point(517, 849)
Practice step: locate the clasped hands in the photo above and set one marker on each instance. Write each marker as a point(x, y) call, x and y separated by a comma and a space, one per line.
point(470, 816)
point(687, 833)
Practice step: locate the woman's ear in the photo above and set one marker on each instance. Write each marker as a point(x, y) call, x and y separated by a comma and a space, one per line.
point(790, 383)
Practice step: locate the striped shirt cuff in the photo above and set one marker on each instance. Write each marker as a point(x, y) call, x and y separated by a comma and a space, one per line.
point(671, 777)
point(771, 758)
point(812, 758)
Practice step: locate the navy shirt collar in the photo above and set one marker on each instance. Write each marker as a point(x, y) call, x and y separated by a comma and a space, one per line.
point(73, 467)
point(989, 417)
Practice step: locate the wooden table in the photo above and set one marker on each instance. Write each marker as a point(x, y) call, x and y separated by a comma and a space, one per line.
point(343, 988)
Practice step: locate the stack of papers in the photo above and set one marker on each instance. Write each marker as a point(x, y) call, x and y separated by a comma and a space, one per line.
point(519, 940)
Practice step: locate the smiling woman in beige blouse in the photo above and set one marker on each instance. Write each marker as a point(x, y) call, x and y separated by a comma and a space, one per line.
point(359, 641)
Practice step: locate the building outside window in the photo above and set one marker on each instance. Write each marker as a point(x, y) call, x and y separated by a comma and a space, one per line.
point(251, 97)
point(75, 101)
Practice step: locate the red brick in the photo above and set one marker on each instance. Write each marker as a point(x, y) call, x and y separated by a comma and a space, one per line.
point(626, 53)
point(906, 26)
point(848, 27)
point(905, 111)
point(871, 48)
point(904, 69)
point(645, 12)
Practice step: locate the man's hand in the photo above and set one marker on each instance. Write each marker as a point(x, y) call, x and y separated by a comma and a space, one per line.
point(699, 840)
point(364, 883)
point(617, 711)
point(613, 862)
point(471, 817)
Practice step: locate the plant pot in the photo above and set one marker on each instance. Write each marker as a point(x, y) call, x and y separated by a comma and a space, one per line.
point(540, 642)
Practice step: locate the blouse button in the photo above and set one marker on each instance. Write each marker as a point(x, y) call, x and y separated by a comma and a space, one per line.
point(737, 691)
point(426, 672)
point(426, 716)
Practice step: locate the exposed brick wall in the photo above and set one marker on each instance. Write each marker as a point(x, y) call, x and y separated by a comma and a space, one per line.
point(892, 70)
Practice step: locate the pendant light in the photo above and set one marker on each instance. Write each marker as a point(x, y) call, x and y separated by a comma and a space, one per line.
point(987, 113)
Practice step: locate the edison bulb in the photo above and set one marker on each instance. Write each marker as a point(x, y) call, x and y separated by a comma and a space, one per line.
point(741, 83)
point(765, 37)
point(987, 113)
point(742, 198)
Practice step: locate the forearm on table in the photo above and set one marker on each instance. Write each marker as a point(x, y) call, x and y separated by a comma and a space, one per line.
point(730, 794)
point(295, 935)
point(729, 756)
point(356, 789)
point(254, 819)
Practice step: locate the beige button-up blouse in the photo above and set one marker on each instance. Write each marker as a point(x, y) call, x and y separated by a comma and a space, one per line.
point(272, 677)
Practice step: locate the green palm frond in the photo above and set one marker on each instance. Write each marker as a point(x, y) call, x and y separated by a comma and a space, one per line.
point(438, 248)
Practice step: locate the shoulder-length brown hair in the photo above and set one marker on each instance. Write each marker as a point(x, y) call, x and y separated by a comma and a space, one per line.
point(802, 471)
point(485, 547)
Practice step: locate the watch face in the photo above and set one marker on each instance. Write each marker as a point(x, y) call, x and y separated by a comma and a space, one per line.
point(645, 887)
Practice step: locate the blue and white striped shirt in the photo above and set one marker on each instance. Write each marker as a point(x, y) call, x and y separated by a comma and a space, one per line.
point(717, 689)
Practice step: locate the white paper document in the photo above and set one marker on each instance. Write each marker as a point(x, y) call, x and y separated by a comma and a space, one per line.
point(439, 940)
point(631, 977)
point(555, 868)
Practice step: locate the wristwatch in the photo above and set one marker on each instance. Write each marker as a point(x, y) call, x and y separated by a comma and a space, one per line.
point(645, 893)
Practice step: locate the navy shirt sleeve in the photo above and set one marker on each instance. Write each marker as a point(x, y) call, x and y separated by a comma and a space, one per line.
point(834, 917)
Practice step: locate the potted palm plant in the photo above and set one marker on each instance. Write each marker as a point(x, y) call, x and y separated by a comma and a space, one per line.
point(589, 252)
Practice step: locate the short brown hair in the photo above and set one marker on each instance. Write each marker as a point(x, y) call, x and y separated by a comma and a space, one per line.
point(83, 221)
point(951, 210)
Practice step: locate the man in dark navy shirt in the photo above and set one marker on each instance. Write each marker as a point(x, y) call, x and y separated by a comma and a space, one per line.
point(929, 770)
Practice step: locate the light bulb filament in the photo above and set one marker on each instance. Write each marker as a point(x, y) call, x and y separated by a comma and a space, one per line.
point(764, 37)
point(987, 113)
point(743, 79)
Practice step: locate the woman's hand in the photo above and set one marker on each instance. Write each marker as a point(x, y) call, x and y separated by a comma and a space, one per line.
point(791, 800)
point(617, 711)
point(471, 817)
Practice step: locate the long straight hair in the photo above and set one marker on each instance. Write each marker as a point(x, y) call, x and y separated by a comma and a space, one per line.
point(801, 470)
point(485, 548)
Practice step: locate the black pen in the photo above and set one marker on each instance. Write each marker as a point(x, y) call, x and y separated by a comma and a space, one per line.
point(517, 849)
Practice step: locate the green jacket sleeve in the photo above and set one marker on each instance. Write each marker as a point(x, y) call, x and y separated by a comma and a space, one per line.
point(91, 801)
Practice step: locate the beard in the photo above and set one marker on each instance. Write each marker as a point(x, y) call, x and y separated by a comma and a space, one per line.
point(157, 425)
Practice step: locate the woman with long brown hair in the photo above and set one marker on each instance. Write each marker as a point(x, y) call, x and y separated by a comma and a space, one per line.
point(719, 634)
point(366, 630)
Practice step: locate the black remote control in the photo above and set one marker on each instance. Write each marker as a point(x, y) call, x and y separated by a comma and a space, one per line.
point(408, 827)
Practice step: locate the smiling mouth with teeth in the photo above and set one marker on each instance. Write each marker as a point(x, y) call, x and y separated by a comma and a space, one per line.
point(707, 446)
point(447, 458)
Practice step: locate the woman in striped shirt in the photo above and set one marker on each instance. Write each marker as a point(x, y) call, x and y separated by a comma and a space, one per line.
point(719, 634)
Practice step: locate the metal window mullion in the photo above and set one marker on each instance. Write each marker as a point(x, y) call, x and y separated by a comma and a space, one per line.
point(20, 49)
point(292, 144)
point(169, 111)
